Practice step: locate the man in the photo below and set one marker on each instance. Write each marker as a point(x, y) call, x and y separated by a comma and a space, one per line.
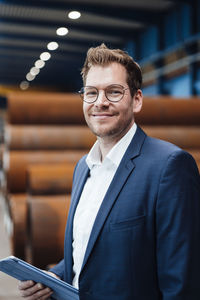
point(133, 230)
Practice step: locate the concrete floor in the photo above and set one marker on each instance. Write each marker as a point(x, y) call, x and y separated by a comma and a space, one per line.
point(8, 285)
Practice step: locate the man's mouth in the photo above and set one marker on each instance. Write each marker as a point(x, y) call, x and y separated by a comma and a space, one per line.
point(102, 116)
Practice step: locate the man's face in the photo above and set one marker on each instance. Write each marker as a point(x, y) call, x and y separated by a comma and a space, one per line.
point(106, 119)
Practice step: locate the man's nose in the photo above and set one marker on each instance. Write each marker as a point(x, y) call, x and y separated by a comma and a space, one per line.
point(102, 100)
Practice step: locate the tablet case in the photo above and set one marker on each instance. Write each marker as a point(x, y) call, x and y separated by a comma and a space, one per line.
point(21, 270)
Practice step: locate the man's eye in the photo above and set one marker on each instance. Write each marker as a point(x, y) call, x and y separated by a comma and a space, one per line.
point(90, 93)
point(114, 92)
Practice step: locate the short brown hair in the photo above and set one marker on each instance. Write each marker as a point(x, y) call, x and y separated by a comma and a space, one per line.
point(103, 56)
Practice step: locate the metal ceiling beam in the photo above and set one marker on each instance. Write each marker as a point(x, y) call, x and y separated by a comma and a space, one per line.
point(57, 16)
point(38, 31)
point(153, 5)
point(93, 18)
point(190, 2)
point(112, 30)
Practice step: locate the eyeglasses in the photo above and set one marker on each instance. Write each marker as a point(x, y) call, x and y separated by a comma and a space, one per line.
point(113, 93)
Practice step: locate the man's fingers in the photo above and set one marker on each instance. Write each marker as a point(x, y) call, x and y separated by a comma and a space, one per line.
point(32, 291)
point(23, 285)
point(35, 291)
point(45, 297)
point(52, 274)
point(41, 294)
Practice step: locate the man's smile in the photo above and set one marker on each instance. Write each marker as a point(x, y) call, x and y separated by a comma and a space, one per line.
point(102, 115)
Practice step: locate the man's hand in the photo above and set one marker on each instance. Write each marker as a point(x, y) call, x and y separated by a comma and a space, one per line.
point(33, 291)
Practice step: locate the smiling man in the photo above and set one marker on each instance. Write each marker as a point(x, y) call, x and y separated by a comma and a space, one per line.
point(108, 117)
point(133, 230)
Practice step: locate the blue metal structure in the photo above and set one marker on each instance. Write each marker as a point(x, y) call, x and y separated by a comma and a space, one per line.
point(172, 49)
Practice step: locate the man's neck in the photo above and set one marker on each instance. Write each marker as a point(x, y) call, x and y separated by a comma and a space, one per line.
point(106, 143)
point(105, 147)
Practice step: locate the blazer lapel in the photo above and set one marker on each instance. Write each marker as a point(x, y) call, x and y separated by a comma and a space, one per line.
point(78, 187)
point(125, 168)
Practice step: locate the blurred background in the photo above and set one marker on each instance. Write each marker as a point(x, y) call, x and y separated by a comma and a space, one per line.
point(162, 35)
point(43, 134)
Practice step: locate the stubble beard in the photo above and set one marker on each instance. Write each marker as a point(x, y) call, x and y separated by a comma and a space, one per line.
point(111, 133)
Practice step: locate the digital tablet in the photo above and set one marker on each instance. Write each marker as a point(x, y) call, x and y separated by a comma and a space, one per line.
point(21, 270)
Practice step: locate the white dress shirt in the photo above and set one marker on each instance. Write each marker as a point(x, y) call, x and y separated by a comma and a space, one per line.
point(96, 186)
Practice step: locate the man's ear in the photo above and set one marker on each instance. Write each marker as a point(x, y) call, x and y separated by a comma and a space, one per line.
point(137, 101)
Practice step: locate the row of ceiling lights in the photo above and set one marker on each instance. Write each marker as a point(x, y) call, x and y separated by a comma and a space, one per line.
point(44, 56)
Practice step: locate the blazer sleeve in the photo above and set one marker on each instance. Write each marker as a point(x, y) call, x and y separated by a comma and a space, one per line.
point(178, 229)
point(58, 269)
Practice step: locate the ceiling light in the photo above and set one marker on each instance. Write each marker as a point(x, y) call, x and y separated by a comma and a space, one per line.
point(39, 64)
point(45, 56)
point(34, 71)
point(52, 46)
point(62, 31)
point(74, 15)
point(24, 85)
point(30, 77)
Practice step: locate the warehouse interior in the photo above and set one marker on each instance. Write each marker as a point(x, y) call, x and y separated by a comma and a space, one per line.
point(161, 35)
point(43, 44)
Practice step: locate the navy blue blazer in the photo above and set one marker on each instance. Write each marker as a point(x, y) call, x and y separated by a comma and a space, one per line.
point(145, 242)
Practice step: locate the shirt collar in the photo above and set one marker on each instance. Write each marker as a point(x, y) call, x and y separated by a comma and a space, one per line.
point(115, 154)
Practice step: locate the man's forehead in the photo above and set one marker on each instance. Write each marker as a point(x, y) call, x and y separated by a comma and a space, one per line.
point(110, 74)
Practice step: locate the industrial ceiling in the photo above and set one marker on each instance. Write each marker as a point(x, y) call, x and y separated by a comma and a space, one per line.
point(27, 27)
